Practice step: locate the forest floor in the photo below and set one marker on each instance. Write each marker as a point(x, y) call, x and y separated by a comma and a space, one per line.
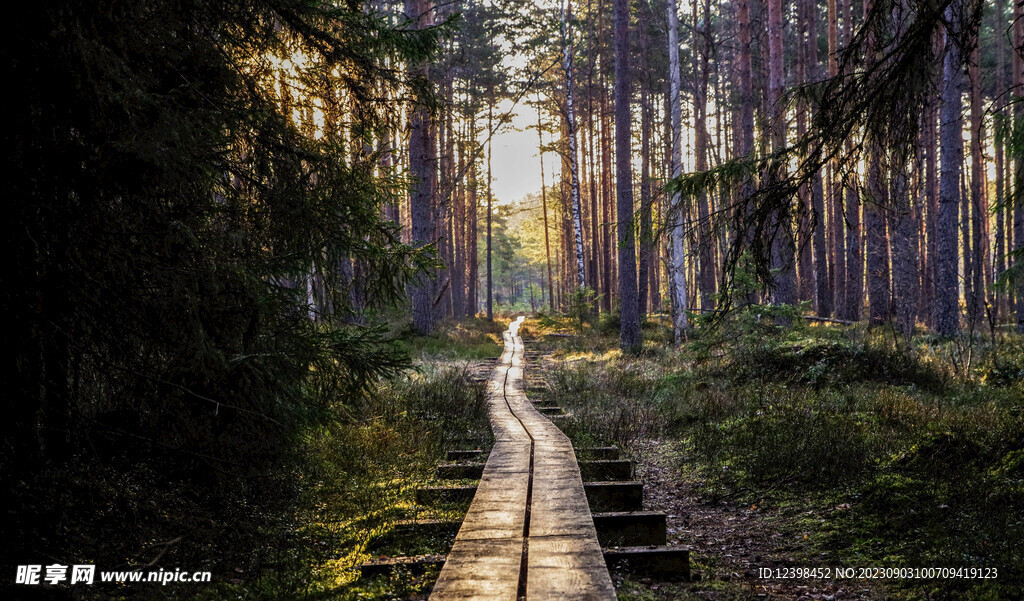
point(806, 448)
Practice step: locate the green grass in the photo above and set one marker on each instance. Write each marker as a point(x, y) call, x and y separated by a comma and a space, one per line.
point(456, 341)
point(356, 480)
point(924, 452)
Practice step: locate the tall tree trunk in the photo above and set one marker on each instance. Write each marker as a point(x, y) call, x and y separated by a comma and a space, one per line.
point(544, 205)
point(822, 290)
point(705, 244)
point(979, 207)
point(904, 229)
point(837, 210)
point(472, 243)
point(490, 202)
point(646, 227)
point(677, 273)
point(805, 255)
point(782, 259)
point(947, 285)
point(998, 26)
point(577, 226)
point(1017, 66)
point(606, 193)
point(629, 310)
point(422, 162)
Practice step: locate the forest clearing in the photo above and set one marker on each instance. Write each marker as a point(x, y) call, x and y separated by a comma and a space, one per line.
point(492, 299)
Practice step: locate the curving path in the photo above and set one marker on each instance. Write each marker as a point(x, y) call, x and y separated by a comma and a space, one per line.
point(528, 532)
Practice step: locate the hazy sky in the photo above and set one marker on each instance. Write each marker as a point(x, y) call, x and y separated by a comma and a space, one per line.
point(515, 164)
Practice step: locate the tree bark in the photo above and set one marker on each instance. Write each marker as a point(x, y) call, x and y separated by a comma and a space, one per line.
point(422, 162)
point(577, 226)
point(677, 273)
point(629, 310)
point(783, 251)
point(979, 207)
point(947, 310)
point(544, 206)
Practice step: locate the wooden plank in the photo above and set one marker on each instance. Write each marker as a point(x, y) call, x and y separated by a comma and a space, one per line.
point(663, 563)
point(567, 567)
point(562, 556)
point(481, 569)
point(630, 528)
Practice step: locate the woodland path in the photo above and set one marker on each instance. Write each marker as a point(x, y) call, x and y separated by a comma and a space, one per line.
point(529, 533)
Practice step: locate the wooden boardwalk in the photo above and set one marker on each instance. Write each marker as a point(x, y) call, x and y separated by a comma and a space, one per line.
point(528, 533)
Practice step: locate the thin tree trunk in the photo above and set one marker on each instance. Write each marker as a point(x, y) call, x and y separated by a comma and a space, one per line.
point(472, 243)
point(705, 245)
point(822, 291)
point(490, 202)
point(678, 271)
point(998, 27)
point(577, 226)
point(1017, 66)
point(544, 206)
point(947, 312)
point(782, 259)
point(979, 207)
point(837, 211)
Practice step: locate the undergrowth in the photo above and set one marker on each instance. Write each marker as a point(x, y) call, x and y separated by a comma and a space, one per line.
point(915, 461)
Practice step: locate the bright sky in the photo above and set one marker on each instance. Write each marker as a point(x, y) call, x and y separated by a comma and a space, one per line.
point(516, 164)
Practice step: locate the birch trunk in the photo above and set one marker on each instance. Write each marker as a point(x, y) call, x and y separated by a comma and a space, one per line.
point(677, 273)
point(577, 226)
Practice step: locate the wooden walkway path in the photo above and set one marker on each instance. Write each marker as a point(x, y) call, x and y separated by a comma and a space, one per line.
point(528, 533)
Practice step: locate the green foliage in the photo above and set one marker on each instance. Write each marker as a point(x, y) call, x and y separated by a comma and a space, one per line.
point(188, 291)
point(909, 461)
point(171, 222)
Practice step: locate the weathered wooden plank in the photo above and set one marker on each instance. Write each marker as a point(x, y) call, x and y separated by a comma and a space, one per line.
point(630, 528)
point(567, 567)
point(606, 469)
point(481, 569)
point(562, 555)
point(615, 496)
point(663, 563)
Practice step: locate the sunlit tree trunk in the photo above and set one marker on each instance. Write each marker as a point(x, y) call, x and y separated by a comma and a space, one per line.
point(998, 26)
point(544, 206)
point(979, 207)
point(677, 274)
point(854, 241)
point(472, 243)
point(629, 311)
point(646, 227)
point(490, 202)
point(574, 190)
point(422, 161)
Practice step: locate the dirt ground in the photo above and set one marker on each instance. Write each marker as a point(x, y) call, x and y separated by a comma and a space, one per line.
point(731, 542)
